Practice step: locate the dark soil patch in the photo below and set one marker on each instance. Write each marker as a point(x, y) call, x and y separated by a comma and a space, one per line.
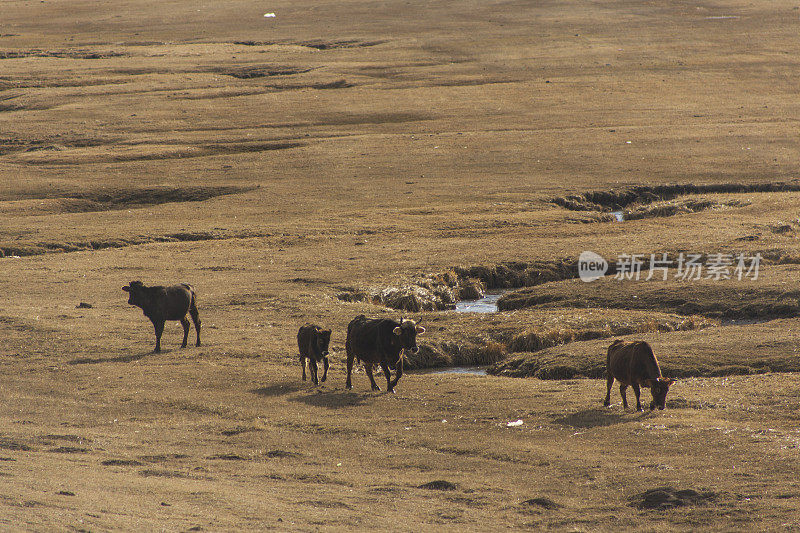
point(338, 84)
point(228, 457)
point(114, 199)
point(614, 200)
point(246, 73)
point(64, 54)
point(162, 473)
point(68, 247)
point(544, 503)
point(121, 462)
point(663, 498)
point(8, 444)
point(439, 484)
point(237, 431)
point(126, 199)
point(332, 45)
point(316, 45)
point(279, 454)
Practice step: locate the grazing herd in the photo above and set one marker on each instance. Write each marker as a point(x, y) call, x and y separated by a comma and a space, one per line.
point(383, 341)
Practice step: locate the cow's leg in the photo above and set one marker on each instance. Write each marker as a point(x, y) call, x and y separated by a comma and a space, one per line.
point(397, 373)
point(312, 368)
point(636, 392)
point(622, 388)
point(609, 383)
point(388, 374)
point(185, 324)
point(325, 371)
point(348, 384)
point(368, 368)
point(159, 327)
point(196, 319)
point(303, 365)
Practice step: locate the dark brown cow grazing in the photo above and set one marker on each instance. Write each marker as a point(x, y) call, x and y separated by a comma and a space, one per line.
point(634, 364)
point(160, 304)
point(313, 343)
point(380, 341)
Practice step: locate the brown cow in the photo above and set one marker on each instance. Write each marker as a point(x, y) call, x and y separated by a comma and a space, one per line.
point(313, 342)
point(633, 364)
point(160, 304)
point(374, 341)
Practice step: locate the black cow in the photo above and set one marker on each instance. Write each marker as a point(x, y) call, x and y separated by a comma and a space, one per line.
point(634, 364)
point(313, 343)
point(380, 341)
point(166, 303)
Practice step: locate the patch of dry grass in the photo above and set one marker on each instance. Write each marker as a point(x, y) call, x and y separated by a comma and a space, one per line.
point(772, 295)
point(720, 351)
point(456, 339)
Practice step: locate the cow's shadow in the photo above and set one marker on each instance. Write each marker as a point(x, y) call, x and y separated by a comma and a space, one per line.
point(314, 396)
point(595, 417)
point(119, 359)
point(278, 389)
point(333, 399)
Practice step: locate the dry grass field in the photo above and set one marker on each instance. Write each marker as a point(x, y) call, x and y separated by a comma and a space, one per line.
point(294, 168)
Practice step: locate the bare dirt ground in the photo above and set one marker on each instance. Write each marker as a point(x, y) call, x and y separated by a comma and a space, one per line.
point(277, 162)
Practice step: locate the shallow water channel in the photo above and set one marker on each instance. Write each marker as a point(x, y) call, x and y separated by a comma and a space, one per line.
point(487, 304)
point(471, 370)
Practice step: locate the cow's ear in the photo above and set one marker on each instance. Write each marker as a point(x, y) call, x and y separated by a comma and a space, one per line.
point(669, 381)
point(420, 330)
point(397, 331)
point(126, 289)
point(649, 383)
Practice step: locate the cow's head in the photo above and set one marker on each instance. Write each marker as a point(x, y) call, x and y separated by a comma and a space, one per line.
point(134, 289)
point(323, 340)
point(659, 388)
point(407, 331)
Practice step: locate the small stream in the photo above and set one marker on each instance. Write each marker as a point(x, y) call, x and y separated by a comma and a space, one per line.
point(470, 370)
point(487, 304)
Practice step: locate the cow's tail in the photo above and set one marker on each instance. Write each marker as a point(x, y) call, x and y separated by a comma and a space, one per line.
point(193, 301)
point(348, 347)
